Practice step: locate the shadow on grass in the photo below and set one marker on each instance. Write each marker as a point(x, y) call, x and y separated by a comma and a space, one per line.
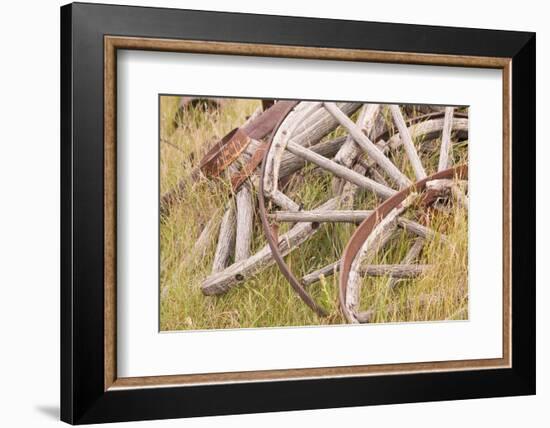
point(50, 411)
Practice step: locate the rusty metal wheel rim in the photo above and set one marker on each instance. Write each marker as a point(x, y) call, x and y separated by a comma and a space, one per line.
point(273, 241)
point(364, 230)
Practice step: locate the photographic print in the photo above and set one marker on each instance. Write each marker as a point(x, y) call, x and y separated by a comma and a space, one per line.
point(279, 213)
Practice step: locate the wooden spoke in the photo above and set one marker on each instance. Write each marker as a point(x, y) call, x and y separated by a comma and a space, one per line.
point(376, 240)
point(340, 171)
point(428, 129)
point(205, 238)
point(368, 146)
point(407, 142)
point(308, 126)
point(283, 201)
point(319, 124)
point(226, 239)
point(245, 213)
point(292, 163)
point(352, 216)
point(409, 258)
point(400, 271)
point(280, 141)
point(347, 151)
point(224, 280)
point(350, 150)
point(420, 230)
point(334, 216)
point(446, 139)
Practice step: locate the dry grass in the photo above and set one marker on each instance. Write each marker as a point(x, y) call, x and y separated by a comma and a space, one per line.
point(267, 300)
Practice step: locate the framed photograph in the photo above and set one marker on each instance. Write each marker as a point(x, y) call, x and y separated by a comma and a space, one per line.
point(265, 213)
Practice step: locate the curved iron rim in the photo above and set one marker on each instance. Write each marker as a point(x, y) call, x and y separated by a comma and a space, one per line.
point(364, 230)
point(273, 244)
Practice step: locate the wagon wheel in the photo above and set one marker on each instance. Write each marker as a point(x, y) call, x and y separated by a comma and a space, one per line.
point(363, 162)
point(377, 226)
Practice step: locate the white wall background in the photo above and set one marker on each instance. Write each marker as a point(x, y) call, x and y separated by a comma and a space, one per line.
point(29, 214)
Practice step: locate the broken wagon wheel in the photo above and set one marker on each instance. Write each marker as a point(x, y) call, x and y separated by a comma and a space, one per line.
point(269, 180)
point(363, 242)
point(345, 165)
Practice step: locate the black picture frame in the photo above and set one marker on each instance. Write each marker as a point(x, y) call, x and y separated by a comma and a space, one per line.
point(83, 396)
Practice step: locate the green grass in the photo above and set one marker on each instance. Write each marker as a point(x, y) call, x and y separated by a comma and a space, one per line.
point(267, 300)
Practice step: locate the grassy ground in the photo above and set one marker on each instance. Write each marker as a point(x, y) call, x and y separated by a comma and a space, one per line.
point(267, 300)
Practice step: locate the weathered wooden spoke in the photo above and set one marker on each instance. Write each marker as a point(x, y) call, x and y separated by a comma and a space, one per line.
point(409, 258)
point(395, 272)
point(368, 146)
point(446, 139)
point(428, 129)
point(407, 142)
point(316, 124)
point(360, 159)
point(226, 239)
point(340, 171)
point(345, 216)
point(369, 119)
point(245, 213)
point(377, 238)
point(367, 239)
point(356, 144)
point(359, 150)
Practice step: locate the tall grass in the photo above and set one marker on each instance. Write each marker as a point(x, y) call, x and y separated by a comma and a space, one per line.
point(267, 300)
